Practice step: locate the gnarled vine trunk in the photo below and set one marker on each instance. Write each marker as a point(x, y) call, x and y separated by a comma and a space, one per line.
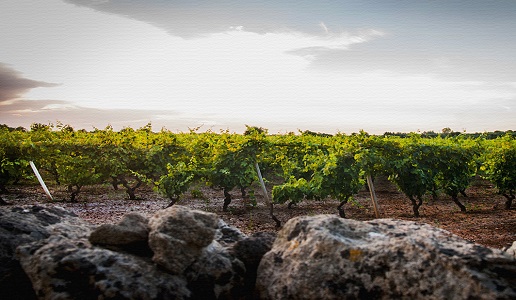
point(173, 201)
point(227, 200)
point(115, 183)
point(130, 190)
point(74, 193)
point(340, 208)
point(455, 199)
point(509, 198)
point(416, 204)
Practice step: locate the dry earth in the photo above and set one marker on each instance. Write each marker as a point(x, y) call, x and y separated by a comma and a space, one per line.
point(486, 222)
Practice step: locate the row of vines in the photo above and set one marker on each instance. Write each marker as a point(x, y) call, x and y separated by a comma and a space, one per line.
point(299, 167)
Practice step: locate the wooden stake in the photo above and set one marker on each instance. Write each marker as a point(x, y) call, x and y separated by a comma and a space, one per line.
point(373, 196)
point(269, 202)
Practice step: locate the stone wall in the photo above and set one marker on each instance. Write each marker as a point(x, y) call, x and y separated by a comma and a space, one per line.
point(179, 253)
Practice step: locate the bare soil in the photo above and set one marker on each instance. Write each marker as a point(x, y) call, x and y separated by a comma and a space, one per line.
point(486, 222)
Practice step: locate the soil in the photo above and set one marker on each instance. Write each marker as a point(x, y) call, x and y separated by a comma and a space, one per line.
point(486, 222)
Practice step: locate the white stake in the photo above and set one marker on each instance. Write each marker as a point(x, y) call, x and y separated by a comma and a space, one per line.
point(43, 185)
point(262, 183)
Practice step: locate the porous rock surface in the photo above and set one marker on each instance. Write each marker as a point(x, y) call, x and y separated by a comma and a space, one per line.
point(178, 253)
point(326, 257)
point(180, 232)
point(250, 251)
point(130, 234)
point(181, 253)
point(62, 268)
point(511, 250)
point(23, 225)
point(216, 274)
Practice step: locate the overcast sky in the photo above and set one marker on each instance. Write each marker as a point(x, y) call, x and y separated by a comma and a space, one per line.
point(328, 66)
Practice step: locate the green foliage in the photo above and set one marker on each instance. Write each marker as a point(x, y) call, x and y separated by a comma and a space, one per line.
point(334, 172)
point(294, 190)
point(340, 177)
point(499, 166)
point(14, 161)
point(176, 181)
point(424, 166)
point(308, 166)
point(413, 170)
point(457, 165)
point(232, 161)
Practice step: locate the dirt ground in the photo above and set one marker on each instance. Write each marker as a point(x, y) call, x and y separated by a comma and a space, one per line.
point(486, 222)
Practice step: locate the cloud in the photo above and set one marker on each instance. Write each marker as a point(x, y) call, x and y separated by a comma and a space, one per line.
point(13, 85)
point(324, 27)
point(26, 112)
point(302, 43)
point(403, 59)
point(198, 18)
point(444, 39)
point(189, 19)
point(226, 63)
point(317, 45)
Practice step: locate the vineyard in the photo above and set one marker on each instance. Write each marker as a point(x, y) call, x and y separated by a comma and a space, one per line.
point(299, 170)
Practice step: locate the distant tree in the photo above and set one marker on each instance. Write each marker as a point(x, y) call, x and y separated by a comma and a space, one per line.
point(446, 130)
point(313, 133)
point(429, 134)
point(10, 129)
point(40, 127)
point(64, 127)
point(254, 129)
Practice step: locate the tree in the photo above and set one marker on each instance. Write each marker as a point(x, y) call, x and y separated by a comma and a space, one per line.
point(446, 130)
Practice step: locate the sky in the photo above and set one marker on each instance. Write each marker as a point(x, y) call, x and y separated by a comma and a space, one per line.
point(325, 66)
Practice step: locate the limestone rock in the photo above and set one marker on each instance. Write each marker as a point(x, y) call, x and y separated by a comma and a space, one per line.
point(216, 274)
point(62, 268)
point(22, 225)
point(227, 235)
point(60, 259)
point(326, 257)
point(130, 234)
point(178, 235)
point(250, 251)
point(198, 256)
point(511, 250)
